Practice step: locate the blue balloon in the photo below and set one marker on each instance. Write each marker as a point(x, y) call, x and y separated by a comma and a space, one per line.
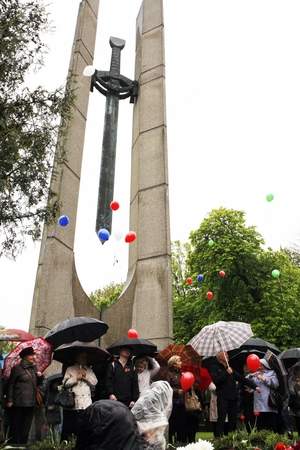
point(200, 277)
point(103, 234)
point(63, 221)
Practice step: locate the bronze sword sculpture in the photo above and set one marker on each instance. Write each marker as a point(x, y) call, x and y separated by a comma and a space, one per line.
point(115, 87)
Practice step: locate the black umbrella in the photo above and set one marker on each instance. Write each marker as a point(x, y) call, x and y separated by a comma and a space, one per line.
point(66, 353)
point(290, 357)
point(277, 365)
point(84, 329)
point(139, 346)
point(56, 378)
point(254, 345)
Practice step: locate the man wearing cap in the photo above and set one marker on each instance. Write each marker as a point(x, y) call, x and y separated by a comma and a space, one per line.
point(21, 396)
point(122, 381)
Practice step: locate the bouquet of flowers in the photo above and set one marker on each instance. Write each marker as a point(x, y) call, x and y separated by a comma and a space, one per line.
point(199, 445)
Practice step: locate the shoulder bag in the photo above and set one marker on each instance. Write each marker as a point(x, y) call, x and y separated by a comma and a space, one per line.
point(65, 398)
point(192, 402)
point(38, 395)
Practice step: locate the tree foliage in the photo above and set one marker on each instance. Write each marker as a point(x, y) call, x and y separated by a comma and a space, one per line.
point(105, 297)
point(29, 126)
point(248, 292)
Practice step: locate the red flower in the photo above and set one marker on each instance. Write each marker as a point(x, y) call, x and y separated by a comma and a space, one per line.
point(256, 413)
point(280, 446)
point(242, 418)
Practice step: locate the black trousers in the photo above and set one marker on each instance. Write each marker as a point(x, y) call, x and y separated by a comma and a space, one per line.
point(229, 407)
point(20, 424)
point(177, 423)
point(71, 418)
point(267, 421)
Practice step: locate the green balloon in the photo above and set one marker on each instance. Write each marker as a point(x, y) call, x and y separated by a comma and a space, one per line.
point(210, 242)
point(270, 197)
point(275, 273)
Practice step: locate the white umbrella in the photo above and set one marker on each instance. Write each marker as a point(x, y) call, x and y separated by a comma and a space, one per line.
point(220, 336)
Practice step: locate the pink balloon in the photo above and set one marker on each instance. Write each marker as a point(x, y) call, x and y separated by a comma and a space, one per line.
point(132, 333)
point(253, 362)
point(130, 236)
point(114, 205)
point(187, 380)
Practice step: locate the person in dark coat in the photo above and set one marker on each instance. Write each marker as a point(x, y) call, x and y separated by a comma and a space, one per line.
point(52, 411)
point(21, 396)
point(108, 425)
point(177, 418)
point(225, 378)
point(122, 381)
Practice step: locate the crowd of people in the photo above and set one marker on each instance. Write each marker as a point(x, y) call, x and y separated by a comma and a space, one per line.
point(133, 409)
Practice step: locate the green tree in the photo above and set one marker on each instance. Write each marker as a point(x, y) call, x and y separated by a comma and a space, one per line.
point(106, 296)
point(29, 126)
point(248, 292)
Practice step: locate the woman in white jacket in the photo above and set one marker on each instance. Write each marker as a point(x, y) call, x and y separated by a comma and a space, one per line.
point(80, 379)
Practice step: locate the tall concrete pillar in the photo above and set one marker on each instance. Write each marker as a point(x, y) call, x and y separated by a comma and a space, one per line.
point(58, 293)
point(146, 301)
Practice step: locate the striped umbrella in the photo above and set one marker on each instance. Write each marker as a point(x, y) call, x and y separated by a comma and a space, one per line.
point(220, 336)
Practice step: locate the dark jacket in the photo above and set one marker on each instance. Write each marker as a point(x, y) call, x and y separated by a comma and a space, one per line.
point(52, 411)
point(122, 382)
point(173, 377)
point(226, 383)
point(20, 389)
point(108, 425)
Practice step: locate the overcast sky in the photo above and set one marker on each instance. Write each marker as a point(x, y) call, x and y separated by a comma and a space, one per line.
point(233, 96)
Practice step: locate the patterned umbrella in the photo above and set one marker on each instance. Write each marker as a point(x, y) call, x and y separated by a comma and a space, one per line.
point(13, 334)
point(191, 362)
point(42, 358)
point(220, 336)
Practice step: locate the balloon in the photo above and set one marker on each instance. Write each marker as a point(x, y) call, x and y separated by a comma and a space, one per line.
point(88, 71)
point(209, 295)
point(114, 205)
point(275, 273)
point(210, 242)
point(200, 277)
point(103, 234)
point(187, 380)
point(222, 273)
point(253, 362)
point(269, 197)
point(118, 234)
point(130, 236)
point(189, 280)
point(63, 221)
point(132, 333)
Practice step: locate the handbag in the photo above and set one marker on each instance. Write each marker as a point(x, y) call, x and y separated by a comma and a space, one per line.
point(192, 402)
point(65, 398)
point(275, 400)
point(38, 395)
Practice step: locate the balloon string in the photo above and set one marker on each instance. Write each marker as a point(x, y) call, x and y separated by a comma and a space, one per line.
point(281, 291)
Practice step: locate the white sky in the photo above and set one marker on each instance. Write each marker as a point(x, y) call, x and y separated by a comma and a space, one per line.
point(233, 99)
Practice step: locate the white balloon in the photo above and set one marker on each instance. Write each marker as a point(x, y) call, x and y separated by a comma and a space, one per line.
point(89, 71)
point(118, 234)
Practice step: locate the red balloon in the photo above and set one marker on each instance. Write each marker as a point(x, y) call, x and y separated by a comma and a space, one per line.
point(130, 236)
point(253, 362)
point(209, 295)
point(132, 333)
point(189, 280)
point(187, 380)
point(222, 273)
point(114, 205)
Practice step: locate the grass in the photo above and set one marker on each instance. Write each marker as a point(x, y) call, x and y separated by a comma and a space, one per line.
point(204, 435)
